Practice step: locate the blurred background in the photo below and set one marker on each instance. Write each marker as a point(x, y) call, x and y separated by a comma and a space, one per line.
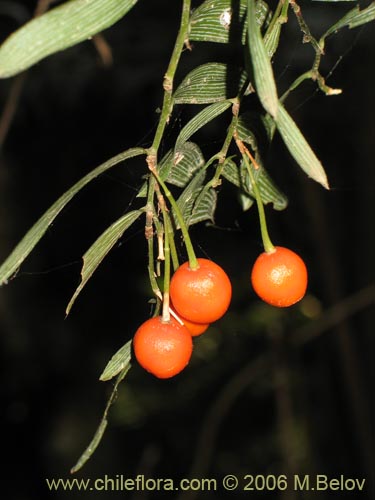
point(268, 391)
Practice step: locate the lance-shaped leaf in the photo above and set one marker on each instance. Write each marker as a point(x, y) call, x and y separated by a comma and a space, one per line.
point(256, 130)
point(31, 238)
point(353, 19)
point(263, 75)
point(197, 202)
point(100, 248)
point(188, 197)
point(208, 83)
point(95, 441)
point(299, 147)
point(200, 120)
point(224, 21)
point(119, 361)
point(58, 29)
point(204, 207)
point(178, 169)
point(269, 192)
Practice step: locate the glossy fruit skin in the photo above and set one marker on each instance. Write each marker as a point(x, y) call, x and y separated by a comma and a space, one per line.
point(201, 295)
point(163, 349)
point(279, 277)
point(195, 329)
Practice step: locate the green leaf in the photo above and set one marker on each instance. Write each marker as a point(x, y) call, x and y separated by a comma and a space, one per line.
point(299, 147)
point(208, 83)
point(255, 129)
point(200, 120)
point(119, 361)
point(94, 443)
point(231, 172)
point(28, 242)
point(246, 201)
point(353, 19)
point(263, 75)
point(204, 207)
point(223, 21)
point(269, 192)
point(100, 248)
point(178, 169)
point(183, 164)
point(188, 197)
point(197, 203)
point(58, 29)
point(245, 131)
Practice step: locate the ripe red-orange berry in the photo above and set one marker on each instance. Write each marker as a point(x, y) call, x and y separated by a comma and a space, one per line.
point(195, 329)
point(279, 277)
point(163, 348)
point(201, 295)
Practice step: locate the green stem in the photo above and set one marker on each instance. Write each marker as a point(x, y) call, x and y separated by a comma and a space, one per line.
point(149, 233)
point(167, 270)
point(307, 38)
point(164, 118)
point(305, 76)
point(193, 262)
point(272, 35)
point(267, 243)
point(172, 244)
point(224, 150)
point(169, 75)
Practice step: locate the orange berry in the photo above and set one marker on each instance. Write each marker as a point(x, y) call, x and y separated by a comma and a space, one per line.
point(279, 277)
point(201, 295)
point(195, 329)
point(163, 349)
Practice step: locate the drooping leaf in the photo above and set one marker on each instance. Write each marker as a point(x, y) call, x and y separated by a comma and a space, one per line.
point(188, 196)
point(272, 36)
point(197, 203)
point(269, 192)
point(58, 29)
point(100, 248)
point(178, 169)
point(246, 201)
point(353, 19)
point(299, 147)
point(223, 21)
point(208, 83)
point(231, 172)
point(183, 164)
point(119, 361)
point(31, 238)
point(245, 131)
point(200, 119)
point(94, 443)
point(263, 74)
point(204, 207)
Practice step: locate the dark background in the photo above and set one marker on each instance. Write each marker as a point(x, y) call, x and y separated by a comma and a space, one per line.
point(268, 391)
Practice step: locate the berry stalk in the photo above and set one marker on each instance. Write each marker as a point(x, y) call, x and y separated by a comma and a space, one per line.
point(246, 155)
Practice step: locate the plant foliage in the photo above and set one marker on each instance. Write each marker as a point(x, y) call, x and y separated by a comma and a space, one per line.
point(244, 100)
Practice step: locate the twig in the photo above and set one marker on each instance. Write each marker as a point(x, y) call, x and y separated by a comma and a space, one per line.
point(104, 49)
